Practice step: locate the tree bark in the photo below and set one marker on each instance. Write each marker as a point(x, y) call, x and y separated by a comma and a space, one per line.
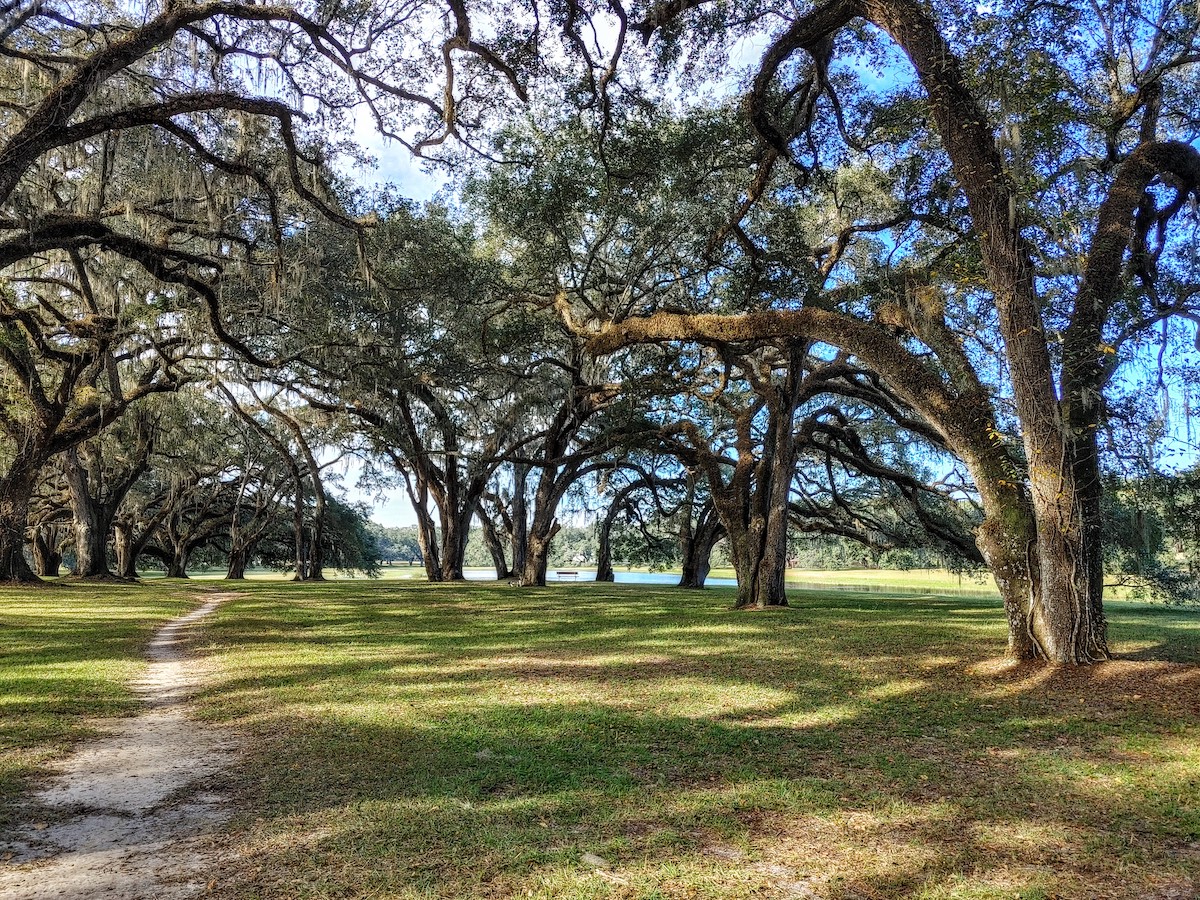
point(491, 538)
point(16, 488)
point(753, 506)
point(236, 571)
point(178, 563)
point(1067, 621)
point(91, 520)
point(543, 527)
point(760, 562)
point(697, 542)
point(454, 541)
point(126, 551)
point(541, 536)
point(604, 568)
point(47, 560)
point(520, 521)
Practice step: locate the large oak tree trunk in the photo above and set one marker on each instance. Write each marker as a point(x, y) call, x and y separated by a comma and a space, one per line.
point(428, 542)
point(520, 521)
point(454, 543)
point(760, 563)
point(491, 537)
point(1066, 620)
point(236, 570)
point(537, 555)
point(542, 530)
point(757, 520)
point(47, 560)
point(16, 488)
point(604, 567)
point(698, 542)
point(1006, 540)
point(95, 498)
point(124, 547)
point(92, 520)
point(178, 563)
point(91, 545)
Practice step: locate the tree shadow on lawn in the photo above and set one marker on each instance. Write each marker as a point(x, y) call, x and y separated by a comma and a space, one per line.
point(496, 802)
point(494, 616)
point(453, 760)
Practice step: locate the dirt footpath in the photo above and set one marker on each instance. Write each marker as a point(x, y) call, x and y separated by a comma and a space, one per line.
point(130, 815)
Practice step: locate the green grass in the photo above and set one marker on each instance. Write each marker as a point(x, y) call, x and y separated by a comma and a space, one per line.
point(911, 580)
point(450, 741)
point(67, 655)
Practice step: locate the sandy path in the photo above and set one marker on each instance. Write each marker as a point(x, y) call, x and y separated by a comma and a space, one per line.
point(128, 816)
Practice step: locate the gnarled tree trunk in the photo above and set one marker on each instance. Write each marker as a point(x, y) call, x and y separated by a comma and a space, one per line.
point(542, 530)
point(92, 520)
point(126, 549)
point(47, 560)
point(178, 561)
point(236, 570)
point(697, 542)
point(491, 537)
point(16, 488)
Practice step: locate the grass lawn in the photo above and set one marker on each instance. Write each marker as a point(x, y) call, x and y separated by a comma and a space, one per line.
point(67, 655)
point(597, 741)
point(922, 581)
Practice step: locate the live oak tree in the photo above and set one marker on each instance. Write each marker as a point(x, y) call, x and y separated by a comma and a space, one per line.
point(733, 420)
point(74, 357)
point(580, 416)
point(270, 475)
point(183, 140)
point(639, 492)
point(591, 220)
point(410, 342)
point(1068, 243)
point(99, 474)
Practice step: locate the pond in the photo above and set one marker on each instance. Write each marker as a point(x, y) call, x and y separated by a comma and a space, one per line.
point(668, 578)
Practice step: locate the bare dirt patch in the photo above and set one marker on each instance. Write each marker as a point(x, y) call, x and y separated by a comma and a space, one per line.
point(131, 815)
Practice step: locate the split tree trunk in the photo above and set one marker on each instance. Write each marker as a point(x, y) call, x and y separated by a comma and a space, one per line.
point(495, 547)
point(178, 563)
point(92, 521)
point(236, 570)
point(698, 543)
point(759, 556)
point(454, 541)
point(1066, 617)
point(47, 561)
point(541, 536)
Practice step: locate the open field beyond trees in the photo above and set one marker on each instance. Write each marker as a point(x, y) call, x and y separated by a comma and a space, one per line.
point(413, 740)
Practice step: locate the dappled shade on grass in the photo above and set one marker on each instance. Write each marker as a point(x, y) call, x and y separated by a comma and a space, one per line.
point(476, 741)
